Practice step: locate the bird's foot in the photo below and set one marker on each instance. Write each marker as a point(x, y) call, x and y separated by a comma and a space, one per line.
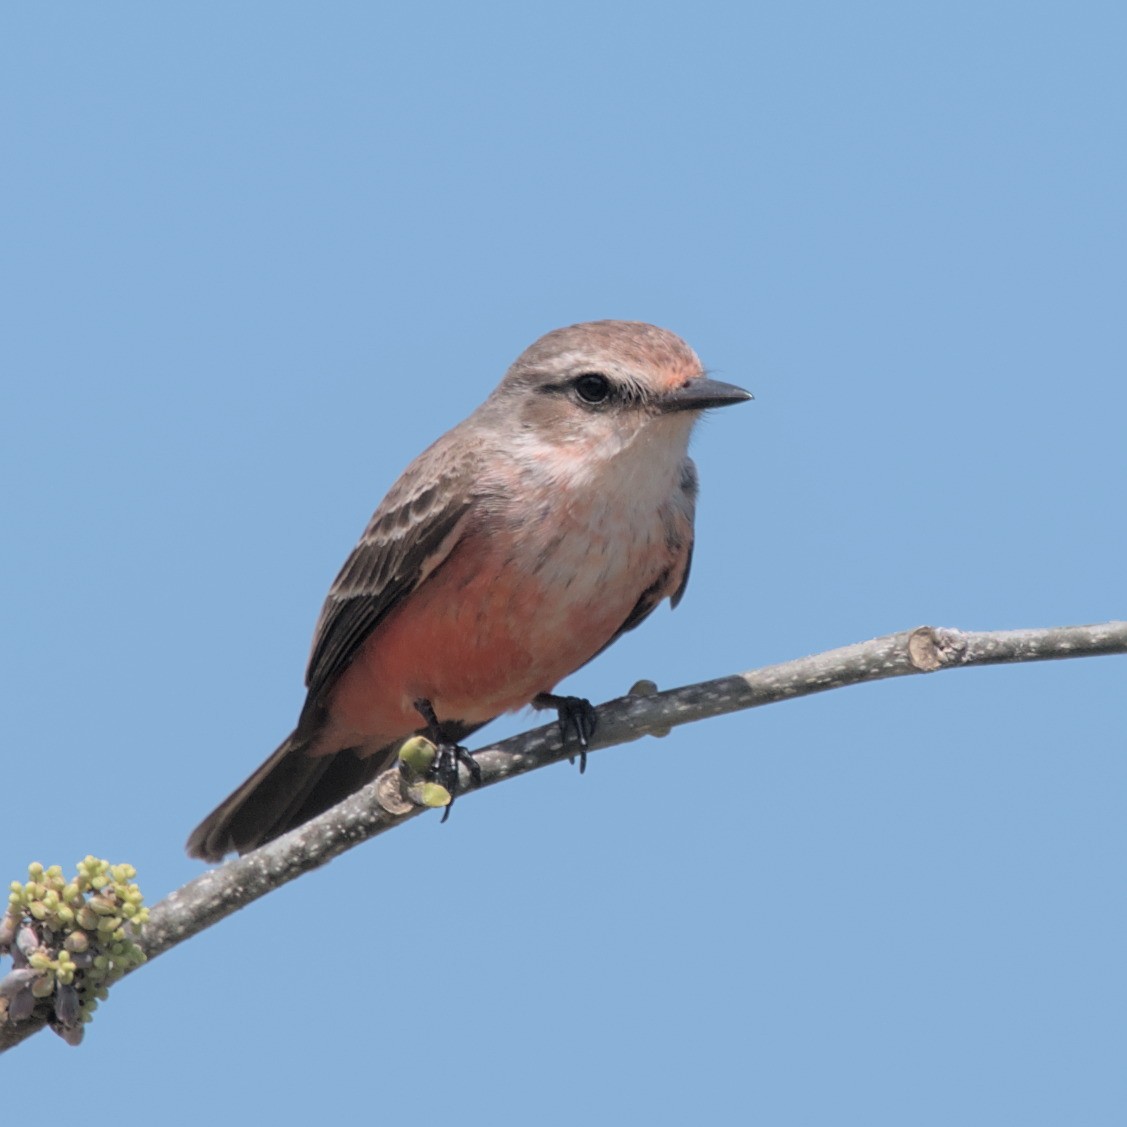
point(448, 755)
point(577, 718)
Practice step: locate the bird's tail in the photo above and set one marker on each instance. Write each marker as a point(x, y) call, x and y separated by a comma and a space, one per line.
point(291, 787)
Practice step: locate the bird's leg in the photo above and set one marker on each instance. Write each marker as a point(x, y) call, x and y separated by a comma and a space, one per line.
point(577, 717)
point(449, 755)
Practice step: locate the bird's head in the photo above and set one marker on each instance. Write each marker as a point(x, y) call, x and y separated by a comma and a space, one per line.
point(599, 388)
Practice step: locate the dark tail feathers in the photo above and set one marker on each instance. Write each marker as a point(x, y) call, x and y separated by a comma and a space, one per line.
point(287, 790)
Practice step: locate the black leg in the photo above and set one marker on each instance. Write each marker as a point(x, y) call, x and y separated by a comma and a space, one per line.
point(577, 717)
point(445, 769)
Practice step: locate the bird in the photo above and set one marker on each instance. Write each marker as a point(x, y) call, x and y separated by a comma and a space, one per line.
point(517, 547)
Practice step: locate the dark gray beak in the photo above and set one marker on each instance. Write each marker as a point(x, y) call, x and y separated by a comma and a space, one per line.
point(702, 394)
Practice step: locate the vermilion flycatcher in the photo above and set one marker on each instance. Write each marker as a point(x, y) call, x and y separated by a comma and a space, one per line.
point(511, 552)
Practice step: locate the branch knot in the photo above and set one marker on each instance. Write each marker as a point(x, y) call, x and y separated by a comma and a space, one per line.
point(933, 647)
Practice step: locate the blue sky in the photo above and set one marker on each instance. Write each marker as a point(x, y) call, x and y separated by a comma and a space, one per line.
point(257, 256)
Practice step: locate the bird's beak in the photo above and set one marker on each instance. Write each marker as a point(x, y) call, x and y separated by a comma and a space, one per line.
point(701, 394)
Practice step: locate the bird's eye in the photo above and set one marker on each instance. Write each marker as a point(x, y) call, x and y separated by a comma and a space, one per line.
point(592, 387)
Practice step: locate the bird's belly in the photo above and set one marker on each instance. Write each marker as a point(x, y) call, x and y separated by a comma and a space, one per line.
point(491, 628)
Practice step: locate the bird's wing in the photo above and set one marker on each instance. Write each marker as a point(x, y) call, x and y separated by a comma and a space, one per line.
point(411, 533)
point(650, 598)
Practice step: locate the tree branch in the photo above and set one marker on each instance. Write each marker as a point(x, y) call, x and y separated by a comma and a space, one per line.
point(380, 806)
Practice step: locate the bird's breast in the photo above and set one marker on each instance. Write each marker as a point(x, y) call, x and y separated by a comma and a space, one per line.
point(524, 599)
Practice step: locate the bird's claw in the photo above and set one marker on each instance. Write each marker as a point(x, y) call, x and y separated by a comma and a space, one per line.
point(445, 771)
point(448, 755)
point(577, 717)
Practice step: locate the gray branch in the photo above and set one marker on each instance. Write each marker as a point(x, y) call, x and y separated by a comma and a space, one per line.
point(381, 806)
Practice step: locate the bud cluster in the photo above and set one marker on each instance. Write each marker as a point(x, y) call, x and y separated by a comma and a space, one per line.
point(416, 762)
point(69, 941)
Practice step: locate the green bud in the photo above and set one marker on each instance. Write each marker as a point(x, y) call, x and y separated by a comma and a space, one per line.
point(418, 754)
point(430, 794)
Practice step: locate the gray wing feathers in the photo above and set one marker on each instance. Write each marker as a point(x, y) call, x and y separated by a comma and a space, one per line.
point(407, 538)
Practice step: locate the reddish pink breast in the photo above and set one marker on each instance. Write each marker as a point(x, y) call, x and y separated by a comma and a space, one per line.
point(484, 635)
